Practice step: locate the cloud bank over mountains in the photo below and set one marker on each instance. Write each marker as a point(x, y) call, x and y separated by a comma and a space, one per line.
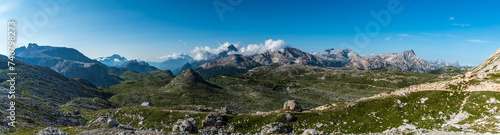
point(175, 56)
point(207, 53)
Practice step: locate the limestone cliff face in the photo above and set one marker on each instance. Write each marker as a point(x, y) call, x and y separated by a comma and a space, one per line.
point(406, 60)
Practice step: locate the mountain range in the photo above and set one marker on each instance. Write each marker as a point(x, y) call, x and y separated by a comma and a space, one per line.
point(148, 98)
point(104, 71)
point(68, 62)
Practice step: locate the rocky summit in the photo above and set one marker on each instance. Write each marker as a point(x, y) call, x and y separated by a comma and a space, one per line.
point(189, 83)
point(233, 64)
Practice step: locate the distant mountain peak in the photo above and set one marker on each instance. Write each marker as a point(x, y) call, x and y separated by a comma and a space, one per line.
point(31, 45)
point(189, 74)
point(328, 50)
point(139, 66)
point(232, 48)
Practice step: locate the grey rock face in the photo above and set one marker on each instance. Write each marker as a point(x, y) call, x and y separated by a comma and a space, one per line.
point(290, 117)
point(113, 60)
point(292, 105)
point(213, 120)
point(51, 131)
point(442, 63)
point(276, 127)
point(186, 126)
point(288, 56)
point(338, 58)
point(225, 110)
point(406, 61)
point(93, 72)
point(139, 66)
point(312, 132)
point(233, 64)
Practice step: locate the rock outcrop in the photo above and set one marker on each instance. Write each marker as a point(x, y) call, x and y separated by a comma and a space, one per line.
point(213, 120)
point(186, 126)
point(292, 105)
point(103, 121)
point(233, 64)
point(276, 127)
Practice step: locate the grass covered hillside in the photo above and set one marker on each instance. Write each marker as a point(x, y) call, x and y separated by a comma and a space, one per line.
point(265, 88)
point(435, 112)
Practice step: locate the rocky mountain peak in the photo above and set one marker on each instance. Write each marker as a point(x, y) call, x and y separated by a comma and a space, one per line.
point(232, 48)
point(188, 82)
point(31, 45)
point(139, 66)
point(191, 76)
point(407, 53)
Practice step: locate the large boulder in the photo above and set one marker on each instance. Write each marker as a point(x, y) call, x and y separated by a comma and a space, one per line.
point(146, 104)
point(225, 110)
point(186, 126)
point(276, 127)
point(213, 120)
point(103, 121)
point(51, 131)
point(290, 117)
point(292, 105)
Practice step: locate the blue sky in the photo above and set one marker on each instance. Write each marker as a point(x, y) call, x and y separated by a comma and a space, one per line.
point(461, 30)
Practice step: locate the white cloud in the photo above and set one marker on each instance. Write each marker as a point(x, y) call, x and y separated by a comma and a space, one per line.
point(269, 45)
point(438, 35)
point(477, 41)
point(460, 24)
point(175, 56)
point(452, 18)
point(408, 36)
point(387, 38)
point(405, 35)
